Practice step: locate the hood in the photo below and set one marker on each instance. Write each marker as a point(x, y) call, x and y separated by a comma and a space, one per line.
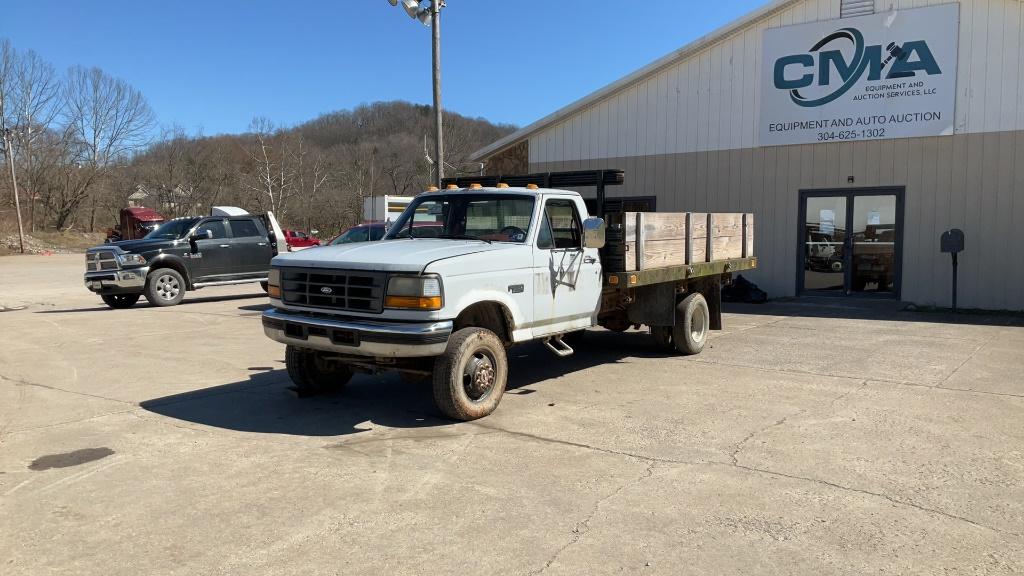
point(139, 246)
point(387, 255)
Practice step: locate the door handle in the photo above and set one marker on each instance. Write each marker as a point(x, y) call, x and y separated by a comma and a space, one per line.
point(261, 243)
point(225, 245)
point(589, 260)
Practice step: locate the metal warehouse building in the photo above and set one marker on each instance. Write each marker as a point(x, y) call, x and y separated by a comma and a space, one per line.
point(856, 131)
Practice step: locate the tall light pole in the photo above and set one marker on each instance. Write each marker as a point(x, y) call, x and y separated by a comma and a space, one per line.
point(431, 16)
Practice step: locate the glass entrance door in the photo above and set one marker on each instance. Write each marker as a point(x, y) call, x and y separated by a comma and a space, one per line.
point(825, 244)
point(850, 241)
point(873, 232)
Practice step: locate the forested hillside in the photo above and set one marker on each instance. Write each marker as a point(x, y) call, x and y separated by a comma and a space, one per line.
point(315, 175)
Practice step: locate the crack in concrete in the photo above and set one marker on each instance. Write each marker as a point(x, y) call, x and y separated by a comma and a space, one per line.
point(734, 455)
point(66, 422)
point(583, 526)
point(966, 360)
point(23, 382)
point(896, 501)
point(937, 386)
point(654, 459)
point(549, 440)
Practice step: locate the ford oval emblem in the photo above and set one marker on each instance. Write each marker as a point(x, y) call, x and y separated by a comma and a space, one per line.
point(326, 290)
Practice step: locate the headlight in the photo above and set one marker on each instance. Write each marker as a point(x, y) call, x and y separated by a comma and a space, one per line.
point(274, 283)
point(131, 259)
point(414, 292)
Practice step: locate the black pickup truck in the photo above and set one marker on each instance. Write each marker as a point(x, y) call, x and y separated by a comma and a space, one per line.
point(183, 254)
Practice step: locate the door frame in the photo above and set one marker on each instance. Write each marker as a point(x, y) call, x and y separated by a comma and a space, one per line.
point(850, 193)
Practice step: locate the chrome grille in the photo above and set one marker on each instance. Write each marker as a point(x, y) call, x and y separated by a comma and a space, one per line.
point(352, 290)
point(100, 260)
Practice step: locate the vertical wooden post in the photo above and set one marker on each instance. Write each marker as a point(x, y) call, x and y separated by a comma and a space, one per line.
point(640, 240)
point(744, 253)
point(688, 246)
point(710, 255)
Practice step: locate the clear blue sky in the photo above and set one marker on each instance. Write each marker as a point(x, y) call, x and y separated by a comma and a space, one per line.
point(213, 65)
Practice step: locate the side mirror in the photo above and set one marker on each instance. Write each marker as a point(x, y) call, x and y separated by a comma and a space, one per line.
point(593, 233)
point(204, 235)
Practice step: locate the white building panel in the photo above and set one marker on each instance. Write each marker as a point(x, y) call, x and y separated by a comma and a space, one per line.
point(709, 100)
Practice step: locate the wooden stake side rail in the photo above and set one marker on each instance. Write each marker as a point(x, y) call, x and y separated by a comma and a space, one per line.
point(678, 273)
point(661, 239)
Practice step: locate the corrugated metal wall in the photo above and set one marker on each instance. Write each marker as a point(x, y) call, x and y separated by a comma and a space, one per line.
point(974, 182)
point(687, 134)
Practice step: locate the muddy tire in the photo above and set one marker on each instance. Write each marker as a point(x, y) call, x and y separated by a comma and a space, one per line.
point(470, 377)
point(313, 374)
point(165, 287)
point(690, 332)
point(120, 300)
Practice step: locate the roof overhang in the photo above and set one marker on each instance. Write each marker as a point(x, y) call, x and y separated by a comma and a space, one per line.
point(663, 62)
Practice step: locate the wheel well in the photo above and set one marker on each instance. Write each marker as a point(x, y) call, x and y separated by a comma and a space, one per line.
point(490, 315)
point(176, 266)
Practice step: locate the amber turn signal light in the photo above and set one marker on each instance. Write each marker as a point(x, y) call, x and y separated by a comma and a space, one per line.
point(274, 291)
point(413, 302)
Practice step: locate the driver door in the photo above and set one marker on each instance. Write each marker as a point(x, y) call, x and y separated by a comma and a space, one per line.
point(567, 277)
point(211, 257)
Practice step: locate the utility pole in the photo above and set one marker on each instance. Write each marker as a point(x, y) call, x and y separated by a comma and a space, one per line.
point(14, 186)
point(435, 22)
point(431, 16)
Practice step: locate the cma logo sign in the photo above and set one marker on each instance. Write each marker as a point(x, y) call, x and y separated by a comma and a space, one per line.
point(800, 71)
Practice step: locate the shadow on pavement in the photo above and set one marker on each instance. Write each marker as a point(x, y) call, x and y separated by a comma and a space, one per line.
point(264, 404)
point(871, 309)
point(144, 304)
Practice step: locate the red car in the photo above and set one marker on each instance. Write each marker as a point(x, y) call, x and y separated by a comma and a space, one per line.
point(298, 240)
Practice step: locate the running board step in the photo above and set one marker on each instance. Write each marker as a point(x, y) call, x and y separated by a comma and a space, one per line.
point(228, 282)
point(558, 346)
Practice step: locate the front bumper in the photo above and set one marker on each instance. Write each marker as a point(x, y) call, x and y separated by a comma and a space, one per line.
point(127, 281)
point(358, 336)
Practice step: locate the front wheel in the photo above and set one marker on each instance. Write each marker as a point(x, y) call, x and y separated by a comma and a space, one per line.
point(470, 377)
point(165, 287)
point(692, 324)
point(120, 300)
point(312, 372)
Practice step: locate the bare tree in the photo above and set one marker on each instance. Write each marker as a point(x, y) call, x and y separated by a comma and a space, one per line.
point(106, 121)
point(310, 175)
point(270, 175)
point(36, 105)
point(8, 63)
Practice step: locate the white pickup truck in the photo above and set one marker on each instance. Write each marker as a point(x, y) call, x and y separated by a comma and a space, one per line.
point(509, 265)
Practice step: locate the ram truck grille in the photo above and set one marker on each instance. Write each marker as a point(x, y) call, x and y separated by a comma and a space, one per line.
point(349, 290)
point(101, 260)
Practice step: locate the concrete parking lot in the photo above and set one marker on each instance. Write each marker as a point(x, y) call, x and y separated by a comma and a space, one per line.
point(805, 440)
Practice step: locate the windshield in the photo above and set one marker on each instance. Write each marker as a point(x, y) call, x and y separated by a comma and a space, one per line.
point(172, 229)
point(359, 234)
point(487, 217)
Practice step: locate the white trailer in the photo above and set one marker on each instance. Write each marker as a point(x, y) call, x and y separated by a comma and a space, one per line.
point(384, 208)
